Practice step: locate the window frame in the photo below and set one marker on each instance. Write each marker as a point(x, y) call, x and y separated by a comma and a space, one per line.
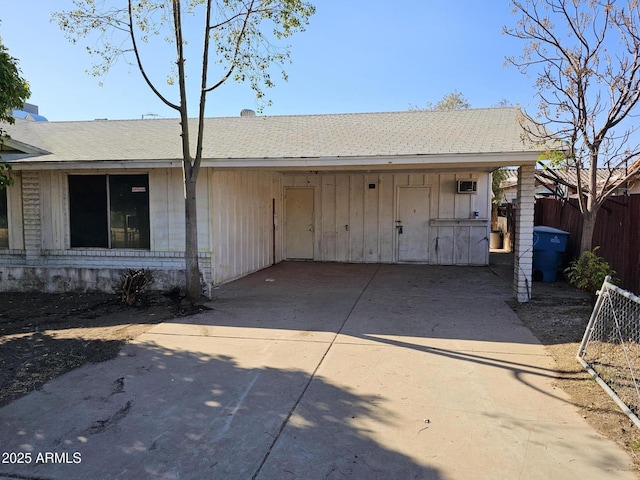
point(108, 212)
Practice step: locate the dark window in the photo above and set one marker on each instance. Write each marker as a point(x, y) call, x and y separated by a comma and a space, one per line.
point(88, 210)
point(4, 220)
point(129, 210)
point(109, 211)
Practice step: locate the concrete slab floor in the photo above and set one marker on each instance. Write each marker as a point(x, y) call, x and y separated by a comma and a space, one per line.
point(309, 371)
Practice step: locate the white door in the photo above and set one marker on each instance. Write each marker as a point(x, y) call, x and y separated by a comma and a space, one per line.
point(299, 219)
point(412, 224)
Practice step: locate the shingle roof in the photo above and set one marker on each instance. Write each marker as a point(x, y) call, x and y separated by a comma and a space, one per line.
point(567, 176)
point(490, 130)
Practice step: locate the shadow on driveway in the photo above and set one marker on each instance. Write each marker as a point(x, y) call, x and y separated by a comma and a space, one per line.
point(310, 371)
point(169, 413)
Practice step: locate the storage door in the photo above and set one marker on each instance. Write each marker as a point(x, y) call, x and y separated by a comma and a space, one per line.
point(412, 224)
point(299, 220)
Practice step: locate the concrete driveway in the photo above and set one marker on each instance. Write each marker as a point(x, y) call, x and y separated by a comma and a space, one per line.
point(309, 371)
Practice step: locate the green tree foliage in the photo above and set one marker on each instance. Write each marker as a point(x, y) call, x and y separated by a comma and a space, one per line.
point(585, 58)
point(14, 92)
point(451, 101)
point(236, 40)
point(497, 177)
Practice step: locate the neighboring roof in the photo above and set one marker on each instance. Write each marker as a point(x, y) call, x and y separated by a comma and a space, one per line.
point(410, 133)
point(510, 178)
point(567, 176)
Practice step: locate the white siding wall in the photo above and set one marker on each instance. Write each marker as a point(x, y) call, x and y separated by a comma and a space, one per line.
point(43, 196)
point(166, 210)
point(355, 223)
point(14, 213)
point(457, 238)
point(55, 210)
point(243, 222)
point(235, 222)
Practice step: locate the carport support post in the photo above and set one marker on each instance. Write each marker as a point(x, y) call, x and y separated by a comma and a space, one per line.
point(523, 252)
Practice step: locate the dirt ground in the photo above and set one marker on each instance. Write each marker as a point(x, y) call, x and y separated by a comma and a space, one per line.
point(45, 335)
point(558, 315)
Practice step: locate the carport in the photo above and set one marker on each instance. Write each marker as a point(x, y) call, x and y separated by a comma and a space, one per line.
point(312, 370)
point(403, 187)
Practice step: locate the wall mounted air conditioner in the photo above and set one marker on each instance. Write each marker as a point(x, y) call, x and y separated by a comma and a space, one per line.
point(467, 186)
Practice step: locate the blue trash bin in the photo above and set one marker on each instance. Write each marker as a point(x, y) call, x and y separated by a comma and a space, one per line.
point(548, 246)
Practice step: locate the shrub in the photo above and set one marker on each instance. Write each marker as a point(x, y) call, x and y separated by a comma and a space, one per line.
point(588, 271)
point(133, 283)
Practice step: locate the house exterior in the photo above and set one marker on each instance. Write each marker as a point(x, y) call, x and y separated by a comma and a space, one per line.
point(93, 198)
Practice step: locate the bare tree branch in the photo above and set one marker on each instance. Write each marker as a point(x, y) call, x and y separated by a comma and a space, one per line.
point(136, 52)
point(586, 61)
point(236, 51)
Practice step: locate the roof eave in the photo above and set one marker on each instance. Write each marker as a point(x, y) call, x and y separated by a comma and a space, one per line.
point(490, 159)
point(37, 163)
point(24, 147)
point(487, 160)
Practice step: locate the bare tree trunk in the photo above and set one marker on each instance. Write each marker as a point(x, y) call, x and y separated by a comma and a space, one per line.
point(588, 227)
point(193, 286)
point(190, 169)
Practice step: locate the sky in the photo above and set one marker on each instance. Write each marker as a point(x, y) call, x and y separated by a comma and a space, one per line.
point(355, 56)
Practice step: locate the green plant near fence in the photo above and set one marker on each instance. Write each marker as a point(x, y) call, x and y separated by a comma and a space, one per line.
point(588, 271)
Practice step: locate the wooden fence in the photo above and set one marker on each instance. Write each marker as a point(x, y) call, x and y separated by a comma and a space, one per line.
point(617, 232)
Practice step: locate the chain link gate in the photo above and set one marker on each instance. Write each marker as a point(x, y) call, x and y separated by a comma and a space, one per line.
point(610, 348)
